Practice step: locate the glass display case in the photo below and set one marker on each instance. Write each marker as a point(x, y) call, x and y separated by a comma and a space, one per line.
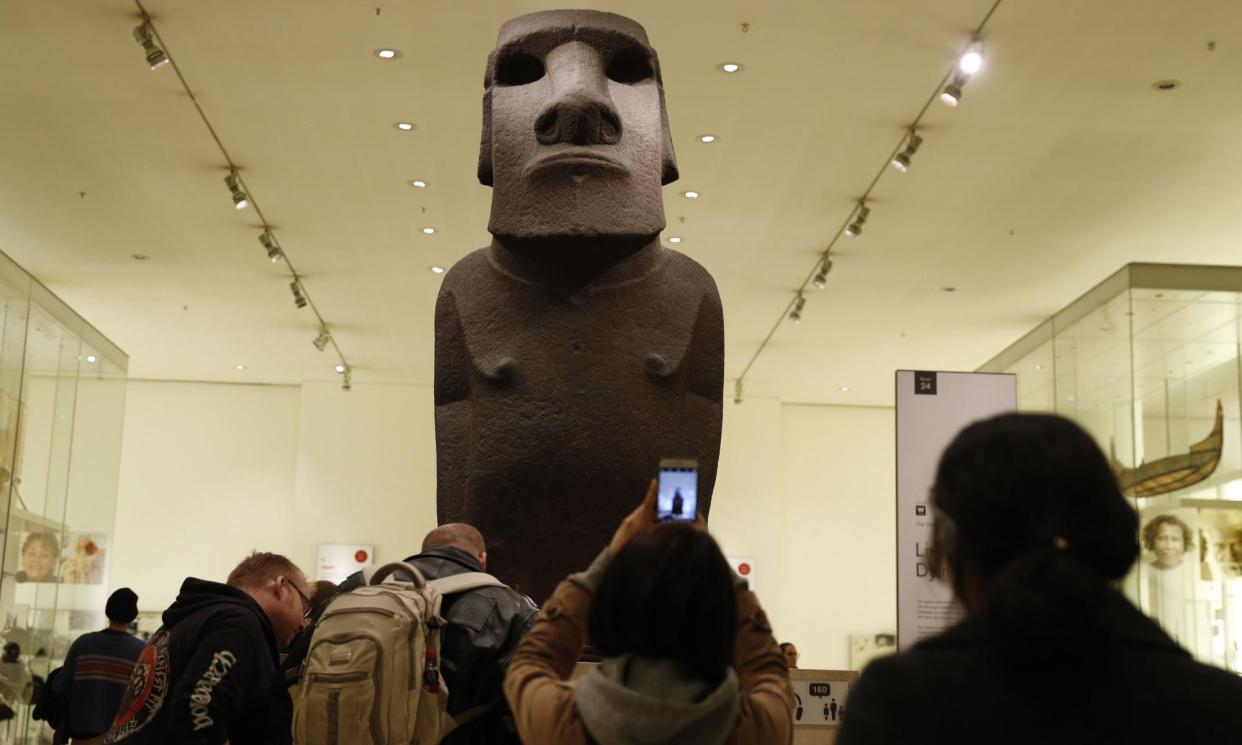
point(62, 395)
point(1148, 363)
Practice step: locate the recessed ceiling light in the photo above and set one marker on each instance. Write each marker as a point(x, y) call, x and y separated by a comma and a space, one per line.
point(91, 358)
point(340, 369)
point(436, 269)
point(845, 389)
point(707, 138)
point(675, 239)
point(730, 67)
point(429, 231)
point(387, 53)
point(1166, 85)
point(418, 184)
point(239, 367)
point(949, 289)
point(405, 126)
point(139, 257)
point(690, 194)
point(1039, 367)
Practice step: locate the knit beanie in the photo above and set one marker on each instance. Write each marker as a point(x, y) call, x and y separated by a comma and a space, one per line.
point(122, 606)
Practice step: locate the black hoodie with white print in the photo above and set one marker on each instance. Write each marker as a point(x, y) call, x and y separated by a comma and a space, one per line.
point(205, 677)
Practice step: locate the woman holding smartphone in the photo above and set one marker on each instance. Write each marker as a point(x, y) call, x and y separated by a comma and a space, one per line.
point(688, 654)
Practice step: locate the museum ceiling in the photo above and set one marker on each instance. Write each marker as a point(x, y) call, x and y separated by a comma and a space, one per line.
point(1061, 164)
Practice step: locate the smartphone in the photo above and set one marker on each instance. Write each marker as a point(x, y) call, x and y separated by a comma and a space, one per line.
point(679, 485)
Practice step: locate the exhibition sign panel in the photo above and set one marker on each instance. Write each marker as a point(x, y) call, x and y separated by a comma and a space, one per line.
point(932, 407)
point(744, 566)
point(339, 560)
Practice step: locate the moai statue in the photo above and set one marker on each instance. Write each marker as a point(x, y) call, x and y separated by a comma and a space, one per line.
point(575, 351)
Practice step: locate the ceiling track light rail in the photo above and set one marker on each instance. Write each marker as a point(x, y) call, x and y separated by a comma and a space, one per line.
point(157, 55)
point(949, 87)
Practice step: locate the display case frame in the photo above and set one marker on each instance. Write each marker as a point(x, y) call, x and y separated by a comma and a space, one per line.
point(1147, 361)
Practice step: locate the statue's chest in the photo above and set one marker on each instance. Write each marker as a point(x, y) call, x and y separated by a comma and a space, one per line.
point(528, 340)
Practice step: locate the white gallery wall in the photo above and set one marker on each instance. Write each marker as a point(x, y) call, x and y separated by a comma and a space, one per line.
point(210, 472)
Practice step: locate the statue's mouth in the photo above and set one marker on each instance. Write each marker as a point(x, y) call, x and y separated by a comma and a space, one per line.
point(577, 160)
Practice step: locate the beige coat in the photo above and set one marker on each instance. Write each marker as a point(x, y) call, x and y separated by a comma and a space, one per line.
point(542, 698)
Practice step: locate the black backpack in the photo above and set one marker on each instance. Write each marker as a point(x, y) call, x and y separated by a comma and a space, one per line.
point(50, 707)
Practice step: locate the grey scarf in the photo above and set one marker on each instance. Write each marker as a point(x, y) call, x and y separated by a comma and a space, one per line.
point(642, 701)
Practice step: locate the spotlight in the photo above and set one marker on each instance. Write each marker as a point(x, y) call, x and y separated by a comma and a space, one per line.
point(298, 298)
point(387, 53)
point(418, 183)
point(269, 242)
point(952, 93)
point(321, 341)
point(821, 279)
point(91, 359)
point(674, 239)
point(429, 231)
point(795, 315)
point(972, 60)
point(707, 138)
point(240, 200)
point(156, 57)
point(902, 160)
point(690, 194)
point(860, 219)
point(437, 269)
point(340, 369)
point(730, 67)
point(405, 126)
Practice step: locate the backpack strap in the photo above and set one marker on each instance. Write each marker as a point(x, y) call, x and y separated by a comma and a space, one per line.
point(459, 583)
point(473, 713)
point(375, 574)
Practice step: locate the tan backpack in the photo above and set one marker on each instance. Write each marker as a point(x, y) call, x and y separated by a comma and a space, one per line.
point(372, 673)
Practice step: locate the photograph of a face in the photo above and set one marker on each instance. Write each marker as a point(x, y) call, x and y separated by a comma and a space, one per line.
point(80, 561)
point(678, 495)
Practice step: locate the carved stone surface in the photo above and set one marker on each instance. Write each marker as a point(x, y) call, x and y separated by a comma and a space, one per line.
point(575, 351)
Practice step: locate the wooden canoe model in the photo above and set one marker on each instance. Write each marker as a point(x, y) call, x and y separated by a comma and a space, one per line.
point(1175, 471)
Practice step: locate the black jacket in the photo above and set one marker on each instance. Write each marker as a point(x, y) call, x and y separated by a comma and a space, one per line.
point(206, 675)
point(484, 627)
point(948, 689)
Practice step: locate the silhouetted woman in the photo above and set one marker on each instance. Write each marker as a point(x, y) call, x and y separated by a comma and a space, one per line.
point(688, 655)
point(1031, 529)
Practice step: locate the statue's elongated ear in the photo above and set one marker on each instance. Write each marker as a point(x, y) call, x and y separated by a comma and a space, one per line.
point(485, 140)
point(669, 159)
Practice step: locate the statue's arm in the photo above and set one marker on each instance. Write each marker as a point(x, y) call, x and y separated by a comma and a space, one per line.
point(452, 399)
point(704, 363)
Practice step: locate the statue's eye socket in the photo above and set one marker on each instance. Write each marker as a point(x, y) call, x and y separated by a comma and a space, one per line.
point(630, 66)
point(518, 69)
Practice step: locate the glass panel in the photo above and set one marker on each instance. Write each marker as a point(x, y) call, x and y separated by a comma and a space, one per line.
point(62, 392)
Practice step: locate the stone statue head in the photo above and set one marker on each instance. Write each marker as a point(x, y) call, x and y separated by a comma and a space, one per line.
point(575, 133)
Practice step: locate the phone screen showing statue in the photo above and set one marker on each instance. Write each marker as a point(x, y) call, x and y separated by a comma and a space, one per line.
point(677, 499)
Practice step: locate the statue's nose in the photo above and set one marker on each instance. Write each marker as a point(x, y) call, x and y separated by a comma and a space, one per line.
point(580, 111)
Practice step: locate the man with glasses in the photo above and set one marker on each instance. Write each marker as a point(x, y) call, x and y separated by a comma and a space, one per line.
point(209, 675)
